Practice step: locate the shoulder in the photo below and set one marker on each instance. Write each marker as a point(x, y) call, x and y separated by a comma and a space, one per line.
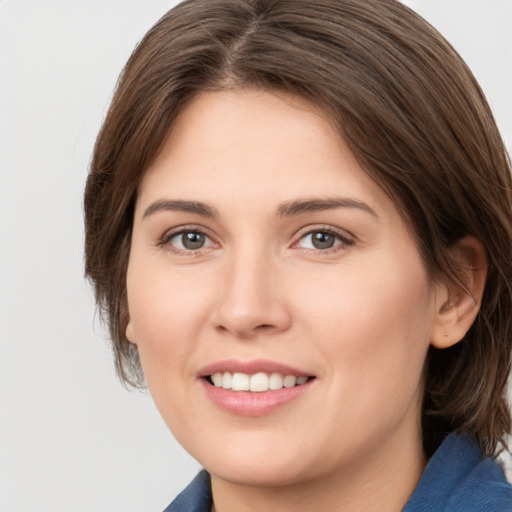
point(196, 497)
point(459, 478)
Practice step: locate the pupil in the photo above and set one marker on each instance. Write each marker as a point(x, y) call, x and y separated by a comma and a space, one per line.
point(193, 240)
point(322, 240)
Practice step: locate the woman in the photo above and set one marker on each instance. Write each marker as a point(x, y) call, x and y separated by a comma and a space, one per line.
point(298, 226)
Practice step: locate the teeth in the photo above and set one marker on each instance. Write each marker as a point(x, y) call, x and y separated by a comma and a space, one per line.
point(227, 379)
point(275, 381)
point(258, 383)
point(289, 381)
point(217, 379)
point(240, 382)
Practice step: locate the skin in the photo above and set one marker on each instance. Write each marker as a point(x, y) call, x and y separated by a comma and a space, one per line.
point(358, 316)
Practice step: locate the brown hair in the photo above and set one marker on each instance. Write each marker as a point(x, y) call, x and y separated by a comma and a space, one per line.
point(407, 106)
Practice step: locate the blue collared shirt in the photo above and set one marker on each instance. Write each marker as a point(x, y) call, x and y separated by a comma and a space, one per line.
point(458, 478)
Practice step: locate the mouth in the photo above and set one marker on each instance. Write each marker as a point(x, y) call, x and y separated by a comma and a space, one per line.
point(254, 388)
point(259, 382)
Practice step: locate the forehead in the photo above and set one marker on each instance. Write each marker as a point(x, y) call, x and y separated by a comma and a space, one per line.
point(254, 143)
point(248, 126)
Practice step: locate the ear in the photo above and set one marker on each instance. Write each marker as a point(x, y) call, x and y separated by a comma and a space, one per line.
point(130, 333)
point(458, 303)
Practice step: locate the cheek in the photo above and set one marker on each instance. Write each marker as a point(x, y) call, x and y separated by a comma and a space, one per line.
point(167, 318)
point(373, 324)
point(167, 315)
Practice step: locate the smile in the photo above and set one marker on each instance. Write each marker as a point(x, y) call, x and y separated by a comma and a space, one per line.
point(258, 383)
point(254, 388)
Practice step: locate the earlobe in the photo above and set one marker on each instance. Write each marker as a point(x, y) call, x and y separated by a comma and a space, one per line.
point(458, 302)
point(130, 334)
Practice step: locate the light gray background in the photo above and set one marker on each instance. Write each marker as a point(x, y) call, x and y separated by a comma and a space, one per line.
point(71, 438)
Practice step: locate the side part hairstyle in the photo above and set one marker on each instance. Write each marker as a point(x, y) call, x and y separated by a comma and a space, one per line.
point(408, 108)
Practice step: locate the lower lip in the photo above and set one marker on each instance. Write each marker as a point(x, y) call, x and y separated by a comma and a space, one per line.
point(247, 403)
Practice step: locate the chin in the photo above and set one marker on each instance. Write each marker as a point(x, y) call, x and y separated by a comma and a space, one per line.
point(256, 473)
point(252, 459)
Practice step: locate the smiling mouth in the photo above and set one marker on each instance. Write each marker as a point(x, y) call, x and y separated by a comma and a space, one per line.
point(258, 382)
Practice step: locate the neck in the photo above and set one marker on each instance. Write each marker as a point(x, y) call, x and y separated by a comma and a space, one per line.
point(382, 481)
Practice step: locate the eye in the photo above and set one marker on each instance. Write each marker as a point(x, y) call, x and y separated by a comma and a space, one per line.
point(188, 240)
point(322, 240)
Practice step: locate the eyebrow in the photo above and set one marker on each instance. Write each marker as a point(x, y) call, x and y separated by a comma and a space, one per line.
point(291, 208)
point(180, 206)
point(287, 209)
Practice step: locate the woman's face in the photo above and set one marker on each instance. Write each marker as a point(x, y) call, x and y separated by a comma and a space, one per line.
point(264, 257)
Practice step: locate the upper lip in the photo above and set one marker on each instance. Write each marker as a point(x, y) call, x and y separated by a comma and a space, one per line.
point(251, 367)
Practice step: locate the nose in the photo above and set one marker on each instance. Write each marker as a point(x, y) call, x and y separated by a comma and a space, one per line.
point(250, 301)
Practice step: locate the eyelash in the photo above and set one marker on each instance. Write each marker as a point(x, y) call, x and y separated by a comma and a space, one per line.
point(165, 240)
point(342, 238)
